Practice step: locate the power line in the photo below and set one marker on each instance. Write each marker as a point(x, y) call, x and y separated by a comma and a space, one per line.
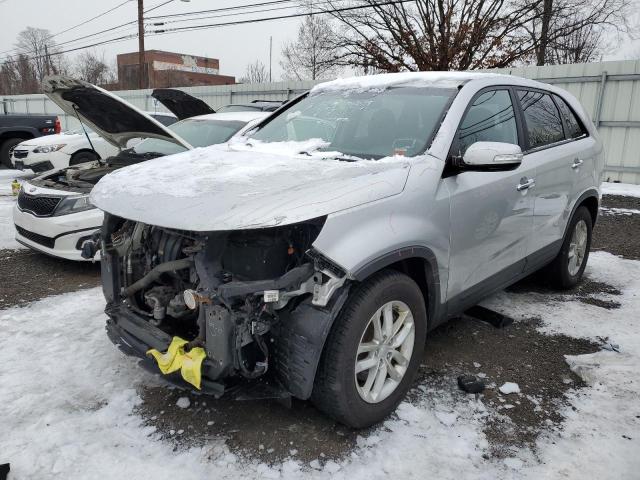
point(75, 26)
point(90, 20)
point(224, 9)
point(223, 24)
point(280, 17)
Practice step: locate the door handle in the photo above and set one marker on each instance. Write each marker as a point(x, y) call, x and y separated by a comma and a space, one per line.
point(576, 163)
point(525, 183)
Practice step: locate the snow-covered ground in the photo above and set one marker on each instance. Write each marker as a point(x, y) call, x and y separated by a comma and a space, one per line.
point(7, 201)
point(624, 189)
point(68, 398)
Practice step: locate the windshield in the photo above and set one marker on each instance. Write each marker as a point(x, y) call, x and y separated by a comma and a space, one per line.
point(366, 124)
point(196, 132)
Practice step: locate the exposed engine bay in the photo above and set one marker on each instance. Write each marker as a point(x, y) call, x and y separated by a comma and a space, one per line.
point(82, 178)
point(225, 292)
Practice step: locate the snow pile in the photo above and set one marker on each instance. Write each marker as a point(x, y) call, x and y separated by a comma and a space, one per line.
point(623, 189)
point(509, 387)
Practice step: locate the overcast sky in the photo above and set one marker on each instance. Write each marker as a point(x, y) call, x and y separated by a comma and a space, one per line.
point(235, 46)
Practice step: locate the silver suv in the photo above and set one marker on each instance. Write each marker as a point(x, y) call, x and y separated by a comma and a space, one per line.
point(317, 253)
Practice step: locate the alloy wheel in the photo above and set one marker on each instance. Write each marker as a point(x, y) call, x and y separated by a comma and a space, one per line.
point(384, 351)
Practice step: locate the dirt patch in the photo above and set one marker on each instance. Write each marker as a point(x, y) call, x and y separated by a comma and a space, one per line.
point(617, 233)
point(588, 291)
point(27, 276)
point(518, 353)
point(266, 430)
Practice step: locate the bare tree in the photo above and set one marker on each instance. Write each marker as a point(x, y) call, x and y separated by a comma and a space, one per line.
point(431, 34)
point(38, 45)
point(93, 68)
point(563, 31)
point(312, 55)
point(256, 72)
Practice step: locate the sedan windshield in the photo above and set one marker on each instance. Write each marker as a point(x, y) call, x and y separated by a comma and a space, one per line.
point(366, 124)
point(196, 132)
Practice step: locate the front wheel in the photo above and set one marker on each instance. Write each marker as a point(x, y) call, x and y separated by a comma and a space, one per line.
point(567, 268)
point(373, 351)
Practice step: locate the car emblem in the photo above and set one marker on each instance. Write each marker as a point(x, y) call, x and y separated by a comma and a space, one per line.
point(31, 189)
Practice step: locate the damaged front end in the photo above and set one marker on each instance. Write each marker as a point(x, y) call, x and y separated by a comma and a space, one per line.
point(241, 304)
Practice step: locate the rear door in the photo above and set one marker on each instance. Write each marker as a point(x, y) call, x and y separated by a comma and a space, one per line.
point(556, 158)
point(491, 212)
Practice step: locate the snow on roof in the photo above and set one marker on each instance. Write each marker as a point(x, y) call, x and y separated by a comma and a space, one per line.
point(385, 80)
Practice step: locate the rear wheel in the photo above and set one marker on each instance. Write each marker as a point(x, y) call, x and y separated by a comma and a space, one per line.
point(373, 351)
point(83, 157)
point(567, 268)
point(6, 148)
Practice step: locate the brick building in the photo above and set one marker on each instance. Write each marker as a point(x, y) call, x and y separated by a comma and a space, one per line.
point(168, 69)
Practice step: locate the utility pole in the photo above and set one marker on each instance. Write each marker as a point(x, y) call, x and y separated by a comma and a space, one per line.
point(270, 50)
point(141, 69)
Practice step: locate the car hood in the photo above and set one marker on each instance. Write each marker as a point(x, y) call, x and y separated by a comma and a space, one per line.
point(217, 188)
point(108, 115)
point(180, 103)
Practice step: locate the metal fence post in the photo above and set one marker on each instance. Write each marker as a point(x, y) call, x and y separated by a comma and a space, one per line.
point(596, 114)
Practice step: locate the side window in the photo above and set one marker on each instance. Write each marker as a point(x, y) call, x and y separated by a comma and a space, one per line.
point(574, 126)
point(542, 118)
point(491, 118)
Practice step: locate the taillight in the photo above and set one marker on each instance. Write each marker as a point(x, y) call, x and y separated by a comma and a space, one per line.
point(58, 126)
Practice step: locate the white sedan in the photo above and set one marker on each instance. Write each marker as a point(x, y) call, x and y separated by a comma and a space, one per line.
point(68, 148)
point(53, 214)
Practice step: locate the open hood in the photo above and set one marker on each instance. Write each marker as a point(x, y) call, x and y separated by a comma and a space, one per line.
point(111, 117)
point(181, 104)
point(216, 188)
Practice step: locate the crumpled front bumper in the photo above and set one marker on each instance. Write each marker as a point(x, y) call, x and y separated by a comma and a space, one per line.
point(135, 336)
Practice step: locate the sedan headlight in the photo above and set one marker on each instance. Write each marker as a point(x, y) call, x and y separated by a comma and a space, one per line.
point(73, 205)
point(49, 148)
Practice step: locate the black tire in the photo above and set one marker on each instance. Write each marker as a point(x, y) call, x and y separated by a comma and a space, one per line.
point(83, 157)
point(5, 148)
point(557, 273)
point(335, 391)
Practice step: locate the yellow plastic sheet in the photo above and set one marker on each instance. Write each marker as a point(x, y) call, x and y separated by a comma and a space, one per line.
point(175, 358)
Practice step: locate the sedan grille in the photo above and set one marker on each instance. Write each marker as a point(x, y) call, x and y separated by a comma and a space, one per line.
point(20, 153)
point(36, 237)
point(39, 205)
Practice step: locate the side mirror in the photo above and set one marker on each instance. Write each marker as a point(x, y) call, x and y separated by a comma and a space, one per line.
point(492, 156)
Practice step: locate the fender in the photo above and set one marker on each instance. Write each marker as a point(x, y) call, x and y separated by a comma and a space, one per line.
point(431, 276)
point(591, 192)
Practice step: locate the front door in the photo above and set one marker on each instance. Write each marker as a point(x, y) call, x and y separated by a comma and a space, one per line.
point(491, 212)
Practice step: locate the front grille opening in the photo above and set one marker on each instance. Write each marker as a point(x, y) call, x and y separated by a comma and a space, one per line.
point(20, 153)
point(36, 237)
point(39, 205)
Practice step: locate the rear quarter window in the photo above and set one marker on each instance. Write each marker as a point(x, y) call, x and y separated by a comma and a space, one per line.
point(575, 129)
point(542, 118)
